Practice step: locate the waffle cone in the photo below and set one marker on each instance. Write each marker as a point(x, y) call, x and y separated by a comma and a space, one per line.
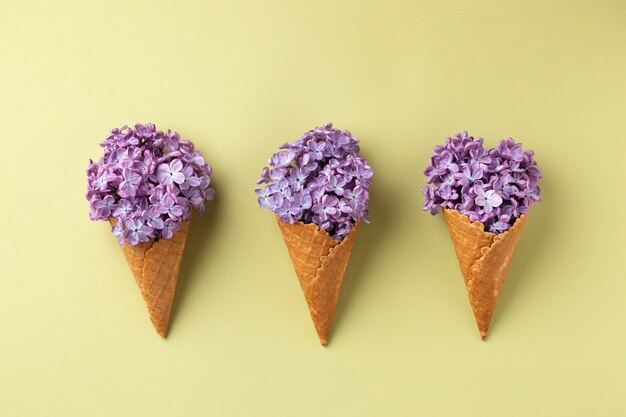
point(484, 259)
point(320, 263)
point(155, 265)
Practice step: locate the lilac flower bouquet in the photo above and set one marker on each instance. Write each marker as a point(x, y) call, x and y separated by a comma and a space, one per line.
point(318, 179)
point(148, 181)
point(494, 187)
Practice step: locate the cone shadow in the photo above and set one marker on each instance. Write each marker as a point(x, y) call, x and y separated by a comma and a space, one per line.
point(198, 245)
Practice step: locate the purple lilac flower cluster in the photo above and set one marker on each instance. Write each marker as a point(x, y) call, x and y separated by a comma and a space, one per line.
point(318, 179)
point(148, 181)
point(494, 187)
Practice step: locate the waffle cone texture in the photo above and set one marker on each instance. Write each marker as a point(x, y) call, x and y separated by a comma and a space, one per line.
point(320, 263)
point(484, 259)
point(155, 265)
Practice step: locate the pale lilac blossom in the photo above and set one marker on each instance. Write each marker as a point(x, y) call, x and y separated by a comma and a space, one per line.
point(169, 227)
point(170, 173)
point(104, 207)
point(487, 199)
point(137, 231)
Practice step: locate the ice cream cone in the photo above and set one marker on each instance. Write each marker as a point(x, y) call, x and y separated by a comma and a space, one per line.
point(155, 265)
point(484, 259)
point(320, 263)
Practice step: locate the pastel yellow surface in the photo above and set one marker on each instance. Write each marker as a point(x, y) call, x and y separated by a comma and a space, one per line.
point(241, 77)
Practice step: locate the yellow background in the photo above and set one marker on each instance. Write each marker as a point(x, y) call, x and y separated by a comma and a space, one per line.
point(241, 77)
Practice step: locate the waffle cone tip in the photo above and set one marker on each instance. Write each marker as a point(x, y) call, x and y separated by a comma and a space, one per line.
point(162, 331)
point(323, 331)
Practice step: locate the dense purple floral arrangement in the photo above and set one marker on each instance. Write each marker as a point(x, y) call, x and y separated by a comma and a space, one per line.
point(148, 181)
point(318, 179)
point(494, 187)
